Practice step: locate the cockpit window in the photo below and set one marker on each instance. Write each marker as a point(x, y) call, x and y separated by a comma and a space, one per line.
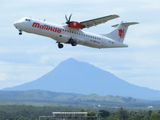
point(27, 20)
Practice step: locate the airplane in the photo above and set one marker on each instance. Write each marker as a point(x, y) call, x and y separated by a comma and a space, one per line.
point(72, 33)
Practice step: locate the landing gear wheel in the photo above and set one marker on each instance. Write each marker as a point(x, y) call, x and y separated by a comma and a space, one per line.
point(73, 43)
point(60, 45)
point(20, 32)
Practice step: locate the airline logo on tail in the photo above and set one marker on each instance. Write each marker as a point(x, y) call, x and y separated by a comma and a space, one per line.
point(121, 33)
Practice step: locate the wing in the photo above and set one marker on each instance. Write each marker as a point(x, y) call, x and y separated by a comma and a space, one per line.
point(97, 21)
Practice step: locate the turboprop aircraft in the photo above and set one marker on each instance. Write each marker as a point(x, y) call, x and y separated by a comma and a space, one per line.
point(72, 33)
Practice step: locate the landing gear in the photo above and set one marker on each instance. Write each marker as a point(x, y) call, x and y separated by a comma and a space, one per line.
point(73, 43)
point(60, 45)
point(20, 32)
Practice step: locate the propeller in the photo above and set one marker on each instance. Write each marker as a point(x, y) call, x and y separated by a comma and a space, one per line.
point(68, 20)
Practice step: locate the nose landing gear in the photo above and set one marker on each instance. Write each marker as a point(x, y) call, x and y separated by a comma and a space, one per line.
point(20, 32)
point(60, 45)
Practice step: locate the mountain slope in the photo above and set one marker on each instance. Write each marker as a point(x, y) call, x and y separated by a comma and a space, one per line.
point(71, 76)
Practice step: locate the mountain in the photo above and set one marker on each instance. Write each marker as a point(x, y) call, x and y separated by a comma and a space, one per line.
point(72, 76)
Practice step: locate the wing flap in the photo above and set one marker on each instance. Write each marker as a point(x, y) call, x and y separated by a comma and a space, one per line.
point(97, 21)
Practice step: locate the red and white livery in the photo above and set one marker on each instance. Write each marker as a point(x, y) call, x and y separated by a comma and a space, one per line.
point(72, 33)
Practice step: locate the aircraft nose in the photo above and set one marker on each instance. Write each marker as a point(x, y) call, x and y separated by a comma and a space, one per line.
point(16, 24)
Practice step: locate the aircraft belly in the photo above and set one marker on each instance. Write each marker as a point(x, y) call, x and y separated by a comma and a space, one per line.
point(112, 44)
point(62, 38)
point(79, 40)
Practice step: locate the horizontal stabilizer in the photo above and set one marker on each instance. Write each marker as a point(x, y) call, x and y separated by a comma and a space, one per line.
point(126, 24)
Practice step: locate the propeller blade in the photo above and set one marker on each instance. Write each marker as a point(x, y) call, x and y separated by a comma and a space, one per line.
point(70, 17)
point(66, 18)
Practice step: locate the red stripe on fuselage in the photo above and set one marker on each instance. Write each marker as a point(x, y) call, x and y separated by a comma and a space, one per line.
point(95, 41)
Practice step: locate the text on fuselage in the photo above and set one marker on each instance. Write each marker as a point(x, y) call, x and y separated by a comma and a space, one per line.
point(46, 27)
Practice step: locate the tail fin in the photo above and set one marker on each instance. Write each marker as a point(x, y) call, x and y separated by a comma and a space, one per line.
point(119, 33)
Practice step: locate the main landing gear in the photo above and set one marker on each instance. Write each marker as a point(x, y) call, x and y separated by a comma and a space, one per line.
point(20, 32)
point(71, 41)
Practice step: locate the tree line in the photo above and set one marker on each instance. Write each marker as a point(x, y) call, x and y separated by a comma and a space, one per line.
point(28, 112)
point(122, 114)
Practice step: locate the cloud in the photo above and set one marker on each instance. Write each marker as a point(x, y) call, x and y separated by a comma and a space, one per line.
point(3, 77)
point(12, 74)
point(151, 5)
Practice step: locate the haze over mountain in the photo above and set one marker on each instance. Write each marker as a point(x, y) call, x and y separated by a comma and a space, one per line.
point(72, 76)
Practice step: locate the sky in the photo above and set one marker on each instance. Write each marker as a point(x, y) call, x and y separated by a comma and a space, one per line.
point(26, 58)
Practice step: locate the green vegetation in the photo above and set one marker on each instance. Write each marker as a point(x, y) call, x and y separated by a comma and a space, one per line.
point(47, 97)
point(29, 105)
point(29, 112)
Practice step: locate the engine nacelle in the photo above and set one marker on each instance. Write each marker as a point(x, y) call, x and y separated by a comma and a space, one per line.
point(75, 24)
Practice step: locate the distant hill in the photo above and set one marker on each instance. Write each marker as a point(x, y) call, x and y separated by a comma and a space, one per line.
point(48, 97)
point(72, 76)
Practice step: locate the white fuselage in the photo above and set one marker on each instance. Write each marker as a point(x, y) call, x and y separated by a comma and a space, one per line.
point(62, 34)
